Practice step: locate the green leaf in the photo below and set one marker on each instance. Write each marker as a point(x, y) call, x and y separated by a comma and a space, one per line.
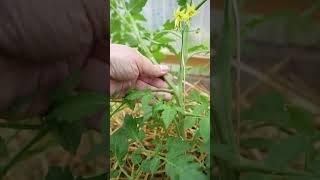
point(115, 173)
point(150, 165)
point(301, 120)
point(281, 154)
point(66, 87)
point(68, 135)
point(168, 25)
point(204, 125)
point(119, 144)
point(158, 55)
point(184, 168)
point(145, 101)
point(164, 40)
point(168, 116)
point(131, 40)
point(197, 48)
point(160, 107)
point(139, 17)
point(3, 148)
point(200, 109)
point(133, 96)
point(115, 24)
point(135, 6)
point(136, 158)
point(176, 147)
point(268, 107)
point(56, 172)
point(179, 164)
point(197, 97)
point(154, 164)
point(189, 122)
point(170, 48)
point(78, 107)
point(132, 129)
point(181, 2)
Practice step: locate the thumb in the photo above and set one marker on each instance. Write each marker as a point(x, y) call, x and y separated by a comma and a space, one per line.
point(147, 68)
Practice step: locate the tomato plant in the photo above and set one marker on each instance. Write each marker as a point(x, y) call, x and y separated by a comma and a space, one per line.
point(160, 138)
point(62, 125)
point(291, 154)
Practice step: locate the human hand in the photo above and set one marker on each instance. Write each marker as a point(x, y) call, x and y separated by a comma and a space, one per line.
point(130, 69)
point(37, 57)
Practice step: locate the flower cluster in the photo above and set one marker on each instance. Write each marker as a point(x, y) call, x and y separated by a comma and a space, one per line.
point(184, 15)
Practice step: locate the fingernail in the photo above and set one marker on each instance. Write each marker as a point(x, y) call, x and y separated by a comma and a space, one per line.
point(164, 69)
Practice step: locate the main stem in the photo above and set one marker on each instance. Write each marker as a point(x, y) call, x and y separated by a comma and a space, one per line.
point(182, 76)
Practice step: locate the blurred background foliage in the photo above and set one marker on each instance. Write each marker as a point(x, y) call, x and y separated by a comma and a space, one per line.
point(277, 134)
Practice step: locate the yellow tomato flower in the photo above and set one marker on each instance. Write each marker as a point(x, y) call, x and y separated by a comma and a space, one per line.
point(184, 15)
point(191, 10)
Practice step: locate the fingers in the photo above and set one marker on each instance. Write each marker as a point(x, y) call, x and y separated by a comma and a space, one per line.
point(156, 82)
point(140, 85)
point(148, 69)
point(119, 89)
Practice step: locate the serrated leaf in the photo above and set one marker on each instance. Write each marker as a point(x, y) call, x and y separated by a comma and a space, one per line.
point(119, 144)
point(200, 109)
point(154, 164)
point(158, 55)
point(136, 158)
point(197, 48)
point(78, 107)
point(164, 40)
point(65, 88)
point(68, 135)
point(145, 101)
point(281, 154)
point(150, 165)
point(176, 147)
point(168, 25)
point(197, 97)
point(132, 129)
point(184, 168)
point(160, 107)
point(171, 49)
point(189, 122)
point(136, 6)
point(204, 125)
point(115, 173)
point(131, 40)
point(139, 17)
point(56, 172)
point(179, 164)
point(168, 116)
